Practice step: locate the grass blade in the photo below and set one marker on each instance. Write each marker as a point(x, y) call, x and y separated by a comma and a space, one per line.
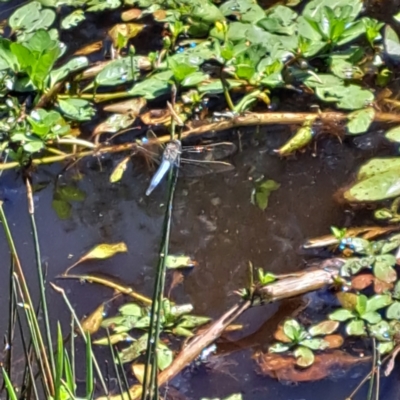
point(89, 368)
point(10, 388)
point(59, 363)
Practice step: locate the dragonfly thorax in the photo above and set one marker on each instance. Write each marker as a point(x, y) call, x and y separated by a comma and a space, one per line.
point(172, 151)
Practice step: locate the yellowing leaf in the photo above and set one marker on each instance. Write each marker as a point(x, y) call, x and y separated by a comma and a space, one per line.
point(128, 31)
point(119, 170)
point(100, 252)
point(114, 339)
point(138, 371)
point(92, 322)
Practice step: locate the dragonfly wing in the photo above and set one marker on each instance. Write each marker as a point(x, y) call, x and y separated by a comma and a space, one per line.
point(157, 177)
point(193, 169)
point(211, 152)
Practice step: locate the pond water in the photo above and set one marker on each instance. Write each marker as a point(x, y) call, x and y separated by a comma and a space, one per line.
point(214, 222)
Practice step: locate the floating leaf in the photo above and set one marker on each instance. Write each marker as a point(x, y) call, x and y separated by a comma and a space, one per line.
point(114, 123)
point(133, 107)
point(378, 301)
point(182, 261)
point(385, 347)
point(72, 65)
point(347, 300)
point(165, 356)
point(292, 329)
point(154, 86)
point(119, 170)
point(138, 371)
point(31, 17)
point(92, 322)
point(381, 331)
point(371, 317)
point(134, 350)
point(392, 43)
point(356, 327)
point(262, 192)
point(280, 335)
point(341, 315)
point(393, 311)
point(131, 309)
point(129, 15)
point(114, 339)
point(315, 344)
point(304, 356)
point(128, 31)
point(360, 120)
point(101, 252)
point(70, 193)
point(278, 348)
point(62, 208)
point(362, 281)
point(193, 321)
point(383, 268)
point(334, 341)
point(181, 331)
point(77, 109)
point(377, 166)
point(323, 328)
point(73, 19)
point(393, 134)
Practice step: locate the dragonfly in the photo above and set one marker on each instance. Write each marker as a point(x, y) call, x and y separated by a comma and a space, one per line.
point(192, 161)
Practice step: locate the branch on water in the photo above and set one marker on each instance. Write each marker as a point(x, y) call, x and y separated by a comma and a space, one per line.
point(291, 286)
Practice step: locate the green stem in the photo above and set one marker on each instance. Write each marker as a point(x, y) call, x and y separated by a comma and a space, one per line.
point(40, 276)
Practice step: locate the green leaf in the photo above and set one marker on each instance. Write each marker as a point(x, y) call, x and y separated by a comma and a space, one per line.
point(392, 43)
point(341, 315)
point(193, 321)
point(71, 193)
point(279, 19)
point(77, 109)
point(385, 347)
point(375, 188)
point(154, 86)
point(114, 123)
point(31, 17)
point(381, 331)
point(378, 301)
point(118, 72)
point(134, 350)
point(377, 166)
point(304, 356)
point(72, 65)
point(323, 328)
point(292, 329)
point(383, 268)
point(360, 120)
point(179, 261)
point(393, 134)
point(361, 304)
point(165, 356)
point(396, 291)
point(356, 327)
point(278, 348)
point(96, 5)
point(315, 344)
point(131, 309)
point(180, 70)
point(393, 311)
point(62, 208)
point(73, 19)
point(262, 192)
point(181, 331)
point(372, 317)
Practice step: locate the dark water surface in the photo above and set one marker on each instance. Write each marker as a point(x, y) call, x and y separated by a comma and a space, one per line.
point(213, 221)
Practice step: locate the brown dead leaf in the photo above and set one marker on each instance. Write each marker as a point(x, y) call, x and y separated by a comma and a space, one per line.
point(280, 336)
point(335, 341)
point(362, 281)
point(382, 287)
point(159, 15)
point(132, 14)
point(156, 117)
point(92, 322)
point(326, 364)
point(177, 279)
point(89, 49)
point(132, 106)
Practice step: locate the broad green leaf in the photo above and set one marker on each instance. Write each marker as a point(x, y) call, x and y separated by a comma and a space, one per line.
point(279, 19)
point(292, 329)
point(323, 328)
point(62, 208)
point(385, 347)
point(131, 309)
point(248, 10)
point(393, 311)
point(165, 356)
point(181, 71)
point(70, 193)
point(194, 79)
point(392, 43)
point(262, 192)
point(72, 65)
point(378, 301)
point(134, 350)
point(96, 5)
point(381, 331)
point(393, 134)
point(396, 290)
point(372, 317)
point(360, 120)
point(181, 331)
point(356, 327)
point(31, 17)
point(377, 166)
point(315, 344)
point(154, 86)
point(304, 356)
point(118, 72)
point(193, 321)
point(341, 315)
point(8, 59)
point(383, 268)
point(314, 8)
point(77, 109)
point(278, 348)
point(378, 187)
point(73, 19)
point(361, 304)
